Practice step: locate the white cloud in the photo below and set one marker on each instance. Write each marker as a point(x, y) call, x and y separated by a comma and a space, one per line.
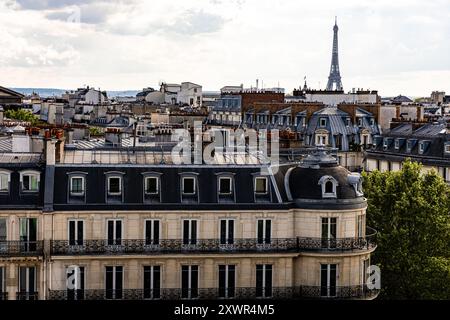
point(388, 45)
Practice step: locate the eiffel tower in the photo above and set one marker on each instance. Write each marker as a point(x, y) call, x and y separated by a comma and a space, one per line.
point(334, 80)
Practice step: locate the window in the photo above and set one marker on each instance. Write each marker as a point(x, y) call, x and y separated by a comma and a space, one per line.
point(30, 181)
point(76, 232)
point(152, 282)
point(360, 122)
point(114, 232)
point(421, 147)
point(189, 232)
point(263, 280)
point(151, 185)
point(360, 226)
point(329, 231)
point(2, 281)
point(152, 232)
point(409, 145)
point(261, 185)
point(75, 283)
point(189, 282)
point(4, 181)
point(264, 231)
point(27, 283)
point(115, 185)
point(114, 282)
point(226, 231)
point(397, 144)
point(372, 121)
point(321, 139)
point(227, 281)
point(447, 148)
point(348, 122)
point(329, 185)
point(328, 275)
point(188, 185)
point(28, 234)
point(323, 122)
point(77, 186)
point(225, 186)
point(2, 229)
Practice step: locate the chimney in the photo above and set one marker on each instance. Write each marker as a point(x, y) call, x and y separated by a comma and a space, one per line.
point(69, 137)
point(50, 149)
point(59, 152)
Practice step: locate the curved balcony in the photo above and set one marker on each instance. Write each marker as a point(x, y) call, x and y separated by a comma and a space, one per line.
point(205, 246)
point(361, 292)
point(21, 248)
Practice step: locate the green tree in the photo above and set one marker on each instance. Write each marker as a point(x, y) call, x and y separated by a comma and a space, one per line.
point(411, 212)
point(21, 115)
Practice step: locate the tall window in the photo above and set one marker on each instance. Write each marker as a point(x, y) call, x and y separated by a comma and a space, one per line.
point(114, 232)
point(261, 185)
point(189, 232)
point(328, 276)
point(329, 232)
point(4, 181)
point(188, 185)
point(77, 186)
point(75, 283)
point(189, 282)
point(114, 282)
point(263, 280)
point(76, 232)
point(152, 228)
point(30, 181)
point(151, 185)
point(152, 282)
point(227, 281)
point(28, 234)
point(27, 283)
point(2, 229)
point(226, 231)
point(264, 231)
point(360, 226)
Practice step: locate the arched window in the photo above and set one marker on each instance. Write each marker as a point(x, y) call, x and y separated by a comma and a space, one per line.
point(329, 185)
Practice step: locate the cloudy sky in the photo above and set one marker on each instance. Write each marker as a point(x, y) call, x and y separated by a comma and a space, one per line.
point(396, 47)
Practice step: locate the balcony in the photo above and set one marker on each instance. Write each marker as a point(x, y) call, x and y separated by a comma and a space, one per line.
point(27, 296)
point(21, 248)
point(277, 293)
point(205, 246)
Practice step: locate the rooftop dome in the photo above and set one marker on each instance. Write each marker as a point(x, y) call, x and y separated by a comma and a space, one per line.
point(320, 182)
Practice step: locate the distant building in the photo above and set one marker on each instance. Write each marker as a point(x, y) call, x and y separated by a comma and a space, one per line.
point(427, 143)
point(8, 96)
point(437, 97)
point(335, 97)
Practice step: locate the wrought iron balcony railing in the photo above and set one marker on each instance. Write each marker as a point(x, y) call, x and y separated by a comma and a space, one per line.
point(27, 296)
point(165, 246)
point(239, 293)
point(21, 248)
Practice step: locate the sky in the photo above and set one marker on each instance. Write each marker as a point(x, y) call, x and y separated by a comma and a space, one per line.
point(395, 47)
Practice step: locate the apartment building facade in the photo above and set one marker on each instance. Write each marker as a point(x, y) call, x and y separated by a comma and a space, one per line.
point(116, 223)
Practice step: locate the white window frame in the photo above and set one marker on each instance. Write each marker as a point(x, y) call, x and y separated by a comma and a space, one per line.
point(231, 186)
point(197, 222)
point(360, 122)
point(266, 185)
point(152, 223)
point(145, 185)
point(264, 235)
point(227, 229)
point(421, 147)
point(323, 122)
point(397, 144)
point(83, 185)
point(115, 230)
point(190, 279)
point(195, 185)
point(108, 185)
point(35, 174)
point(323, 181)
point(76, 228)
point(8, 180)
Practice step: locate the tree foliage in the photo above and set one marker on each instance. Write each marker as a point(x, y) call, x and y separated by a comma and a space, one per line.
point(411, 212)
point(21, 115)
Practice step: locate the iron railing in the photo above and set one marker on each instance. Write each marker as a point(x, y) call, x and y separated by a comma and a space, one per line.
point(239, 293)
point(165, 246)
point(21, 248)
point(27, 295)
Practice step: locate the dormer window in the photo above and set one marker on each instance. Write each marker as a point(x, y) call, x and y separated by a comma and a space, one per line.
point(421, 147)
point(397, 144)
point(323, 122)
point(114, 185)
point(188, 185)
point(151, 185)
point(329, 185)
point(77, 186)
point(225, 185)
point(360, 122)
point(348, 122)
point(261, 185)
point(385, 144)
point(29, 181)
point(409, 146)
point(372, 122)
point(5, 177)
